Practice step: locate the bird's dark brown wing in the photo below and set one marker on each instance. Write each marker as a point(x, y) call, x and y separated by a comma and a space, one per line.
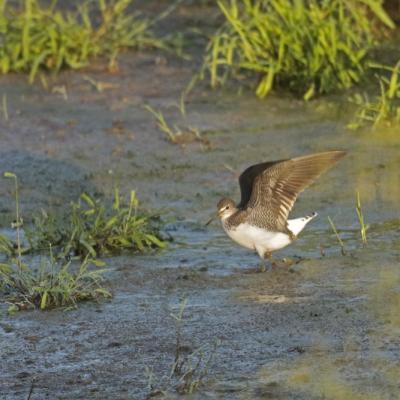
point(276, 188)
point(246, 180)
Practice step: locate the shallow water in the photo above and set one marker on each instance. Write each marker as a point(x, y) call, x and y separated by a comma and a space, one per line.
point(326, 328)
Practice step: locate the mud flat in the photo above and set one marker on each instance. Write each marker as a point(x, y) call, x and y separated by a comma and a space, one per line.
point(327, 328)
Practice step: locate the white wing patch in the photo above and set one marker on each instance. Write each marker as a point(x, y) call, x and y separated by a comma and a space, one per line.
point(297, 225)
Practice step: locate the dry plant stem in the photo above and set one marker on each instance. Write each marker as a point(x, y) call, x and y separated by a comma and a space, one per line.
point(187, 371)
point(337, 236)
point(18, 221)
point(178, 323)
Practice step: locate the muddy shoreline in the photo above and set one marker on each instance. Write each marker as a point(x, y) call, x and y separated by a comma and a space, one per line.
point(327, 328)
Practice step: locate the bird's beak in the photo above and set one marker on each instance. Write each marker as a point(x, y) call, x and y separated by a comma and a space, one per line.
point(210, 220)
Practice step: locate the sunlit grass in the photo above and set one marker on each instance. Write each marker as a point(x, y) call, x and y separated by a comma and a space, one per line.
point(309, 47)
point(363, 227)
point(382, 109)
point(37, 36)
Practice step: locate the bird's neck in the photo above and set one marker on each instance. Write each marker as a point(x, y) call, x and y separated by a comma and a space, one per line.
point(227, 214)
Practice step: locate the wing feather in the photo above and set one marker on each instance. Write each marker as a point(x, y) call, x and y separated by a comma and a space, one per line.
point(275, 188)
point(246, 180)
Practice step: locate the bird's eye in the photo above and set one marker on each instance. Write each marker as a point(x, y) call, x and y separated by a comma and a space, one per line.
point(227, 207)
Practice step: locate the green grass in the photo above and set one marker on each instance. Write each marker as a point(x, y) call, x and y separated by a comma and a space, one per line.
point(175, 134)
point(50, 285)
point(361, 220)
point(360, 215)
point(90, 228)
point(37, 36)
point(384, 108)
point(94, 228)
point(5, 107)
point(6, 246)
point(310, 47)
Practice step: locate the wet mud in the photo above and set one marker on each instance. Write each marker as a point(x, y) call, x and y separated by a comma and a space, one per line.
point(325, 328)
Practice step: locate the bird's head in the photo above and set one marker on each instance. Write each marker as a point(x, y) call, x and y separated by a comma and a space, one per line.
point(226, 207)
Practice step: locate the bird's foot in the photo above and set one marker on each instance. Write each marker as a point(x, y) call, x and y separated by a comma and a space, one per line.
point(266, 263)
point(285, 262)
point(265, 267)
point(258, 269)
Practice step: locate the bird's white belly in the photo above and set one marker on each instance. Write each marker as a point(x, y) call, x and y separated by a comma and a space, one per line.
point(259, 239)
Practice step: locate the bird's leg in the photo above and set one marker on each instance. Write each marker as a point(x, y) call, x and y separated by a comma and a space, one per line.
point(274, 262)
point(266, 258)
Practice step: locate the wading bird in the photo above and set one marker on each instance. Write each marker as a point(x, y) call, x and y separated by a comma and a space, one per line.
point(268, 192)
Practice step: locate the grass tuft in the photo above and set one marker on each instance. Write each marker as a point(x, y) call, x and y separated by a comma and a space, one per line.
point(385, 107)
point(37, 36)
point(363, 227)
point(175, 134)
point(310, 47)
point(52, 284)
point(94, 228)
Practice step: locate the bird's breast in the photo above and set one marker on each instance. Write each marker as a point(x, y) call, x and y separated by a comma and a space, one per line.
point(251, 237)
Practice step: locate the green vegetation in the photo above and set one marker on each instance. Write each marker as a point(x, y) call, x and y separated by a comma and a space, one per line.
point(176, 134)
point(6, 246)
point(361, 220)
point(51, 284)
point(310, 47)
point(5, 107)
point(91, 228)
point(39, 36)
point(385, 108)
point(363, 227)
point(95, 229)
